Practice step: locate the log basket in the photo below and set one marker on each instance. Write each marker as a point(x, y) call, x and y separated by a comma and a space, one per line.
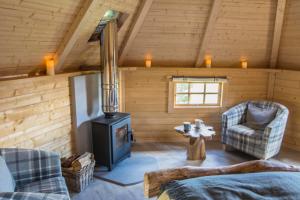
point(77, 181)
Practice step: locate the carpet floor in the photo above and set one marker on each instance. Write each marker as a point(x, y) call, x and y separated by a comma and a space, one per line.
point(171, 155)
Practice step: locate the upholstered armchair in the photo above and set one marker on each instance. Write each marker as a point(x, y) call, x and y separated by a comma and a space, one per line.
point(37, 175)
point(262, 144)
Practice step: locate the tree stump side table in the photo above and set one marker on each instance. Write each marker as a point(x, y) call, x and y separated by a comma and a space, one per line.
point(197, 137)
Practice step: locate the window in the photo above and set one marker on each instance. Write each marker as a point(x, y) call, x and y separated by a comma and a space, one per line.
point(197, 94)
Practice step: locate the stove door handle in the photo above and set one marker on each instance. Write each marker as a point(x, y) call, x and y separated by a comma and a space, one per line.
point(129, 133)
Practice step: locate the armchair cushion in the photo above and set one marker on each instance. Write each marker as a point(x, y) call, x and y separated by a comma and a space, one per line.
point(244, 138)
point(54, 185)
point(258, 118)
point(7, 183)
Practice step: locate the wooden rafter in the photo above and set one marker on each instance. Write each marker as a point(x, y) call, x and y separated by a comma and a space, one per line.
point(208, 32)
point(277, 32)
point(134, 29)
point(72, 35)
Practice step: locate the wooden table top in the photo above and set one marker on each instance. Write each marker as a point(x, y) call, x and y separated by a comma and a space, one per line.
point(206, 132)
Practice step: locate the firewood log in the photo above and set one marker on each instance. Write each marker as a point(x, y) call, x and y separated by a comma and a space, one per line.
point(67, 162)
point(82, 161)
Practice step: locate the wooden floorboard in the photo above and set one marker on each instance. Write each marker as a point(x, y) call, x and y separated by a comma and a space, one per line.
point(171, 155)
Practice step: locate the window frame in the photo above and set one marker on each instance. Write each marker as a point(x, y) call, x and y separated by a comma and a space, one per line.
point(204, 93)
point(185, 108)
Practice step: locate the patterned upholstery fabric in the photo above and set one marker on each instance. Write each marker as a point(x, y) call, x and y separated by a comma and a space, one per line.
point(261, 144)
point(37, 174)
point(51, 185)
point(31, 196)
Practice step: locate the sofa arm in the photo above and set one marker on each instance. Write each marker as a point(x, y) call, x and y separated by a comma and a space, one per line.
point(31, 196)
point(27, 166)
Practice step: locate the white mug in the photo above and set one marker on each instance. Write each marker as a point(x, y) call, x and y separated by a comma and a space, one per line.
point(198, 123)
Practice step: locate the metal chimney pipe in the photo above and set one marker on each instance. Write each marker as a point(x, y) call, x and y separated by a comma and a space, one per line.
point(109, 58)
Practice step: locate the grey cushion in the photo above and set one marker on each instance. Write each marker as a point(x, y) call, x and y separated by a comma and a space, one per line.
point(7, 183)
point(258, 118)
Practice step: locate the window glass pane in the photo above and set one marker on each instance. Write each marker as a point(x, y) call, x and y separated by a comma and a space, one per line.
point(196, 99)
point(211, 98)
point(182, 99)
point(196, 87)
point(182, 87)
point(212, 87)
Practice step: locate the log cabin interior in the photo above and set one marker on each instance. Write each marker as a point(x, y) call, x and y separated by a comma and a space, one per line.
point(149, 99)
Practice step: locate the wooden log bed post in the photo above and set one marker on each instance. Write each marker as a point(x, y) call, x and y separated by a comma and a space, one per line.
point(154, 180)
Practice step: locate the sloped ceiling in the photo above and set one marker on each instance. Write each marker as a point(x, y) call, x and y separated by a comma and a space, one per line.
point(31, 30)
point(173, 31)
point(171, 34)
point(289, 54)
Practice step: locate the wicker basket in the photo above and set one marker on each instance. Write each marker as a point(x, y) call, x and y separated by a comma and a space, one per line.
point(78, 181)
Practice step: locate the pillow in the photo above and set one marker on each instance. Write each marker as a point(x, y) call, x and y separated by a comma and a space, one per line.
point(258, 118)
point(7, 182)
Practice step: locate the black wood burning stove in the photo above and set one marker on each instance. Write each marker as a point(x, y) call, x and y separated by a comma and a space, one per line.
point(111, 139)
point(112, 131)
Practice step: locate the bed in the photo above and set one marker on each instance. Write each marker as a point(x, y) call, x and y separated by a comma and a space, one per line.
point(249, 180)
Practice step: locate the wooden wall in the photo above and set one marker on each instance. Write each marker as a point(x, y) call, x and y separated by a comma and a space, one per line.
point(287, 92)
point(146, 97)
point(35, 113)
point(290, 42)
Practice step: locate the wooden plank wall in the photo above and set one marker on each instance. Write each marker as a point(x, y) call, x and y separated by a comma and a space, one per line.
point(290, 42)
point(146, 97)
point(35, 113)
point(286, 91)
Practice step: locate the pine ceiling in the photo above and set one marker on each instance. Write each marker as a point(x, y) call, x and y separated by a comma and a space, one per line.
point(172, 33)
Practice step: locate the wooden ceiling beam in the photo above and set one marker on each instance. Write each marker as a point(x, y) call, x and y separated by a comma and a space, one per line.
point(72, 35)
point(134, 28)
point(281, 4)
point(208, 31)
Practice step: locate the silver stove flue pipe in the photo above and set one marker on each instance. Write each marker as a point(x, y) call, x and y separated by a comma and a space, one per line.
point(109, 63)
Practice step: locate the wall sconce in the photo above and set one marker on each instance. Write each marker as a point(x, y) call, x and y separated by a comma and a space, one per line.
point(148, 63)
point(244, 64)
point(208, 62)
point(50, 67)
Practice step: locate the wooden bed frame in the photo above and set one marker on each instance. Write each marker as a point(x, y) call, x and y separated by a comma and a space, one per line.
point(154, 180)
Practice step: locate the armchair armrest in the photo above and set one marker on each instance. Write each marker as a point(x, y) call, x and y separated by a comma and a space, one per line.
point(277, 126)
point(31, 165)
point(234, 115)
point(31, 196)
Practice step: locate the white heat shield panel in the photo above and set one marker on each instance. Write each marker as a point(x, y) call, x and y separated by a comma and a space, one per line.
point(86, 104)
